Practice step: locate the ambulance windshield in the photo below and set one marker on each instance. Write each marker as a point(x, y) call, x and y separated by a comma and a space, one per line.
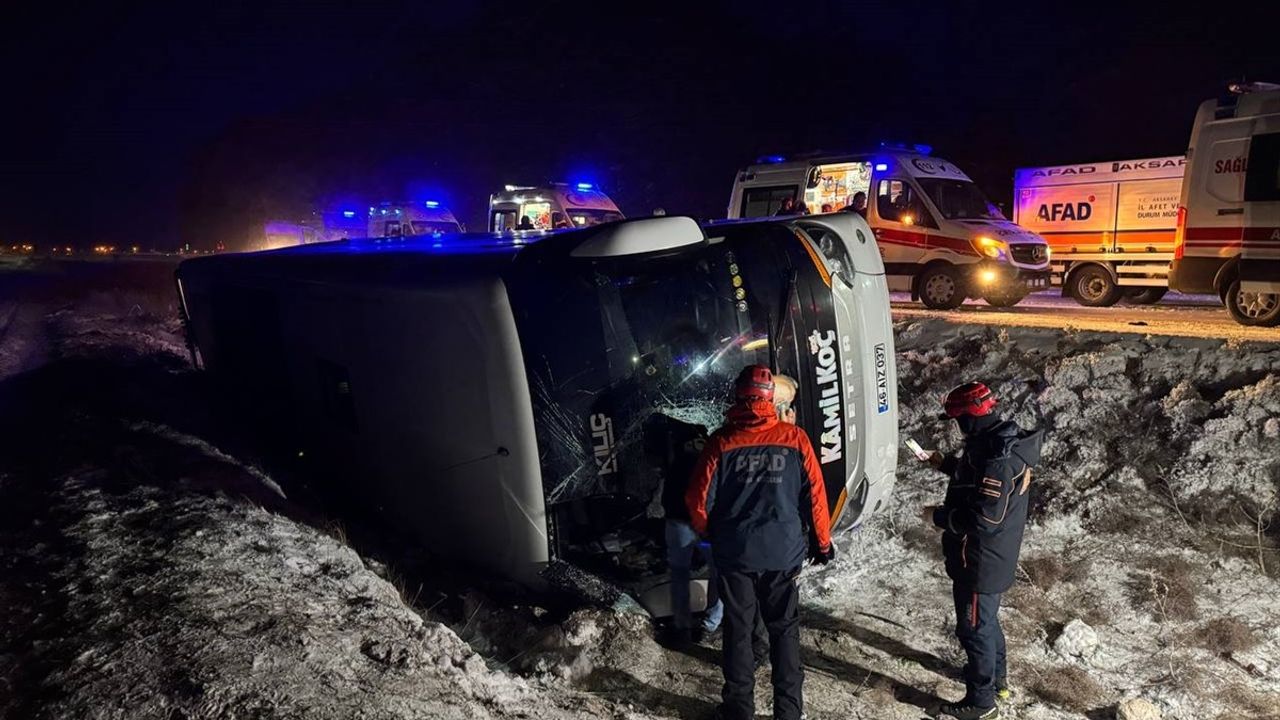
point(959, 199)
point(583, 218)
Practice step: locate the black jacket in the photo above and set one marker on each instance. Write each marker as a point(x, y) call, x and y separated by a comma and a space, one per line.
point(985, 510)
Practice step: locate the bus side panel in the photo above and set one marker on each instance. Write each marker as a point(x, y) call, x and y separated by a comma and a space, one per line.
point(404, 394)
point(868, 372)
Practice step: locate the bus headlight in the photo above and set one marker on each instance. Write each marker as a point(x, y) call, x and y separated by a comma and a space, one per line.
point(990, 247)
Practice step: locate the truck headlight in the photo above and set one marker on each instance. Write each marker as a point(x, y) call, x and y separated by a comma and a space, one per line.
point(990, 247)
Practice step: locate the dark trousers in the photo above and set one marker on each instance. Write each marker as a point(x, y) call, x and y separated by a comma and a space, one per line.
point(774, 596)
point(978, 629)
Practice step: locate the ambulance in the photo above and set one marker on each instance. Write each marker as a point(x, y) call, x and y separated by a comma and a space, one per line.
point(941, 239)
point(428, 217)
point(514, 407)
point(1110, 225)
point(1228, 230)
point(550, 207)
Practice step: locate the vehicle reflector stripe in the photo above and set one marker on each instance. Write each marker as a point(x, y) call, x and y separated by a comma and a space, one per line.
point(817, 261)
point(835, 514)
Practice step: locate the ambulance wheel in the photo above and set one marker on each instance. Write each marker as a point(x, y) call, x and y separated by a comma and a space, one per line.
point(1251, 308)
point(1005, 298)
point(1145, 296)
point(1092, 286)
point(940, 287)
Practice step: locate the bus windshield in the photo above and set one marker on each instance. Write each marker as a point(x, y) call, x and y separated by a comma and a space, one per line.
point(959, 199)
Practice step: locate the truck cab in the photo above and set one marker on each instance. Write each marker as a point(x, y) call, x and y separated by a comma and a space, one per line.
point(1228, 229)
point(941, 239)
point(555, 206)
point(402, 219)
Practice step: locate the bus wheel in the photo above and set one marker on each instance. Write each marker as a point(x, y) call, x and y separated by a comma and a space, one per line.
point(1005, 298)
point(1092, 286)
point(1145, 296)
point(1252, 308)
point(940, 287)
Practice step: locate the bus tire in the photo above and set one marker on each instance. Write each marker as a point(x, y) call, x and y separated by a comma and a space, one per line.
point(941, 288)
point(1093, 286)
point(1145, 296)
point(1253, 309)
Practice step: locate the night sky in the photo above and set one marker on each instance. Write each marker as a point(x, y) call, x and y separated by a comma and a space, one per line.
point(161, 124)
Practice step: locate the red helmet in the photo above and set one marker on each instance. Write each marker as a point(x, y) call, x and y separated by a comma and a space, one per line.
point(755, 382)
point(971, 398)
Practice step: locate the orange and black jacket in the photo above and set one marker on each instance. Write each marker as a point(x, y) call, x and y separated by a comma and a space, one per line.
point(985, 509)
point(755, 490)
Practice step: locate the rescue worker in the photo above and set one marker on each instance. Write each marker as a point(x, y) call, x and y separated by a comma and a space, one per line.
point(788, 207)
point(755, 488)
point(982, 520)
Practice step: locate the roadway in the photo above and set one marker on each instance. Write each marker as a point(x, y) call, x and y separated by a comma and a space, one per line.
point(1200, 316)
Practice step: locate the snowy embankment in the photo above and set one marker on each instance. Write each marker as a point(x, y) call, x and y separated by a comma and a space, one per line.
point(146, 574)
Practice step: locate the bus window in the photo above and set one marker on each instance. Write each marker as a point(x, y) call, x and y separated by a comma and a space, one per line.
point(765, 201)
point(896, 201)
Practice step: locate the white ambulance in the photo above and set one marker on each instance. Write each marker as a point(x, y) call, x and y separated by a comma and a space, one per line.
point(941, 239)
point(1228, 237)
point(428, 217)
point(1110, 225)
point(550, 207)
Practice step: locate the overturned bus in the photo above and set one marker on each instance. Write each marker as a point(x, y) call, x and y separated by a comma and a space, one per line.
point(501, 401)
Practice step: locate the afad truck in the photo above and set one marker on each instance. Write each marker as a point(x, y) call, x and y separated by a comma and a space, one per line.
point(941, 239)
point(554, 206)
point(514, 407)
point(1110, 225)
point(1228, 230)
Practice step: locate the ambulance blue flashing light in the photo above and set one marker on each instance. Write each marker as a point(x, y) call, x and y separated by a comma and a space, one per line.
point(772, 159)
point(921, 149)
point(432, 204)
point(881, 167)
point(584, 187)
point(348, 213)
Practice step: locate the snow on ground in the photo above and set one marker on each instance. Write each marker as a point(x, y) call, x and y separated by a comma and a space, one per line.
point(1179, 315)
point(150, 571)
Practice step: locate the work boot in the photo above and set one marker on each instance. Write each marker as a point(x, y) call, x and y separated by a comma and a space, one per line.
point(964, 711)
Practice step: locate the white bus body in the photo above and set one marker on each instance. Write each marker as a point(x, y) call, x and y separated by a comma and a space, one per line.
point(1110, 225)
point(495, 399)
